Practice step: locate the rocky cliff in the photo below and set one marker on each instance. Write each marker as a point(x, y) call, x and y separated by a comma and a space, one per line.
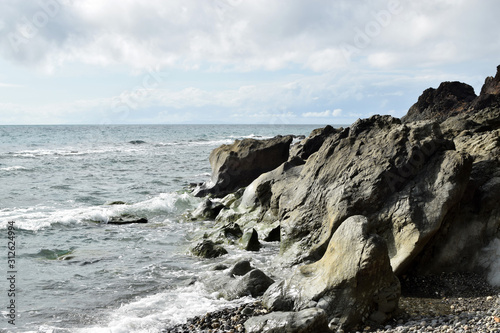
point(356, 207)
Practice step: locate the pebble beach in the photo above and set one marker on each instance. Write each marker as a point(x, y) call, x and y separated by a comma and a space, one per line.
point(449, 303)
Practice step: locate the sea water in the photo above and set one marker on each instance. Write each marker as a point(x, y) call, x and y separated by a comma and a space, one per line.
point(76, 273)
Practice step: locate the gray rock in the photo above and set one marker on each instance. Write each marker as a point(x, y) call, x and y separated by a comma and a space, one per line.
point(208, 249)
point(353, 281)
point(241, 268)
point(237, 165)
point(253, 283)
point(250, 241)
point(313, 142)
point(127, 219)
point(207, 210)
point(305, 321)
point(448, 99)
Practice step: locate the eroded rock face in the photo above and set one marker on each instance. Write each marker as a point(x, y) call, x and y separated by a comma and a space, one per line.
point(404, 177)
point(437, 104)
point(237, 165)
point(475, 220)
point(353, 282)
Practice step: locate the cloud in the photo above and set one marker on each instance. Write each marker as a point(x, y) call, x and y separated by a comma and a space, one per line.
point(324, 114)
point(243, 35)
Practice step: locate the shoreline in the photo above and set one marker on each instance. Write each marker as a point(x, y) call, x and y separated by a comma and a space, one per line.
point(450, 302)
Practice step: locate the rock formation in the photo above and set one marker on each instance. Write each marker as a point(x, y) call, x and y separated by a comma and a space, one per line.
point(237, 165)
point(449, 99)
point(351, 206)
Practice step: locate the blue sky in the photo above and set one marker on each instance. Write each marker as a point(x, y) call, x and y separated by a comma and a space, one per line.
point(235, 61)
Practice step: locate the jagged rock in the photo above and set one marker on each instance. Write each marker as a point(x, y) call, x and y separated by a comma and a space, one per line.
point(352, 282)
point(208, 209)
point(250, 241)
point(490, 93)
point(437, 104)
point(395, 174)
point(232, 231)
point(127, 219)
point(208, 249)
point(274, 235)
point(237, 165)
point(241, 268)
point(305, 321)
point(313, 142)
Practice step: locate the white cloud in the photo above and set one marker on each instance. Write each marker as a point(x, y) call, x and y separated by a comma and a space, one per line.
point(324, 114)
point(246, 35)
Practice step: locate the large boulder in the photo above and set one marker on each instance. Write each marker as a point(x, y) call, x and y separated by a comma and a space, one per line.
point(437, 104)
point(353, 282)
point(231, 286)
point(237, 165)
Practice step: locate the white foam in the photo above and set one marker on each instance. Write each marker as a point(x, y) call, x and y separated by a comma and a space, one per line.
point(38, 217)
point(490, 259)
point(14, 168)
point(153, 313)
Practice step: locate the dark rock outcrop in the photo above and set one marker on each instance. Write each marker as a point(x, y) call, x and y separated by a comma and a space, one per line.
point(127, 219)
point(208, 249)
point(313, 142)
point(450, 98)
point(490, 93)
point(237, 165)
point(241, 268)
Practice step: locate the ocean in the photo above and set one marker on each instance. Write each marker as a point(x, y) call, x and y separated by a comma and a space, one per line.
point(73, 272)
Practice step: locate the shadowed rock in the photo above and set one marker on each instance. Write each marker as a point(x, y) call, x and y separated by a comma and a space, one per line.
point(237, 165)
point(450, 98)
point(208, 249)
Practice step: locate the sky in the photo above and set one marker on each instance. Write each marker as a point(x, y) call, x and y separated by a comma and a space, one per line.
point(236, 61)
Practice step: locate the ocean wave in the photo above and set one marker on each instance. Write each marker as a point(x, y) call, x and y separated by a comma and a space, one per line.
point(40, 217)
point(151, 313)
point(15, 168)
point(196, 143)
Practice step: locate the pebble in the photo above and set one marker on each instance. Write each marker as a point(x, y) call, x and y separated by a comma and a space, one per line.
point(458, 308)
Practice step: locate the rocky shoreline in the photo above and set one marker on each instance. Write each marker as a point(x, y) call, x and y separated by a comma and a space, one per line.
point(452, 302)
point(387, 225)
